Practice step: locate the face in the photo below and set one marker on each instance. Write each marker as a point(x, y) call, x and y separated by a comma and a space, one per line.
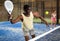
point(29, 9)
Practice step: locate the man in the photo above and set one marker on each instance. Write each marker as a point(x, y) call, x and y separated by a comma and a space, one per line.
point(27, 21)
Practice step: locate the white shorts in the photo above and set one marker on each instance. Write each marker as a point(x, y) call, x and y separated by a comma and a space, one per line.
point(28, 32)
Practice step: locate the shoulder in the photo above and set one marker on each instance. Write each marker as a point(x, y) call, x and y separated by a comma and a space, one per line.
point(20, 16)
point(36, 13)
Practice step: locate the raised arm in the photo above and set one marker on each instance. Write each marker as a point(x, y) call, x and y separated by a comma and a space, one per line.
point(16, 20)
point(36, 14)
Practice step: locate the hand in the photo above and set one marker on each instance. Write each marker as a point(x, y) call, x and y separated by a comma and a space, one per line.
point(11, 19)
point(47, 24)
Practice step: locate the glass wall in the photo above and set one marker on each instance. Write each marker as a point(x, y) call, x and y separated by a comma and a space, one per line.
point(3, 13)
point(49, 7)
point(44, 7)
point(59, 11)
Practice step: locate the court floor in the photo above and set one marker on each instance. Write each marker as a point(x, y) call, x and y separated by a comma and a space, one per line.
point(13, 32)
point(53, 36)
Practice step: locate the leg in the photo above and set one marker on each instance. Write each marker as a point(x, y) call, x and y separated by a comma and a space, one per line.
point(26, 38)
point(51, 24)
point(54, 24)
point(32, 33)
point(33, 36)
point(26, 34)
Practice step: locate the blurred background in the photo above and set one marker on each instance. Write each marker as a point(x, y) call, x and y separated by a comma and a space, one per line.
point(44, 7)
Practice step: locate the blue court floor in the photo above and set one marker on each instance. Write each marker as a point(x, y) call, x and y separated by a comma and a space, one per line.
point(53, 36)
point(13, 32)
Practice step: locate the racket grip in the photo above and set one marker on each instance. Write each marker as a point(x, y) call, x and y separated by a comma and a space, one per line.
point(10, 16)
point(11, 19)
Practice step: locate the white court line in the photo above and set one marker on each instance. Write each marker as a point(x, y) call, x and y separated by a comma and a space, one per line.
point(38, 37)
point(17, 30)
point(9, 22)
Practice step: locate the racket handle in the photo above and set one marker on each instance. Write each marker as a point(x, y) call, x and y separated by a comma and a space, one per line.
point(10, 12)
point(10, 16)
point(11, 19)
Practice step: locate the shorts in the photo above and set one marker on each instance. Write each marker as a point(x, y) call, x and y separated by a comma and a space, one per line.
point(28, 32)
point(53, 19)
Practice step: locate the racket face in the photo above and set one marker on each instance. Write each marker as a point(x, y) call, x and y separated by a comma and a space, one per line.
point(9, 6)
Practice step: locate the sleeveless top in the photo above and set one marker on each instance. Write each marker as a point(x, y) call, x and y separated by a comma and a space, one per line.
point(27, 23)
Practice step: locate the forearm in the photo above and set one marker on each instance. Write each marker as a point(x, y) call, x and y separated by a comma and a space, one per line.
point(12, 22)
point(15, 20)
point(40, 17)
point(11, 19)
point(43, 20)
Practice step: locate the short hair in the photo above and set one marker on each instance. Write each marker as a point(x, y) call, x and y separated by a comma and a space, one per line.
point(26, 7)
